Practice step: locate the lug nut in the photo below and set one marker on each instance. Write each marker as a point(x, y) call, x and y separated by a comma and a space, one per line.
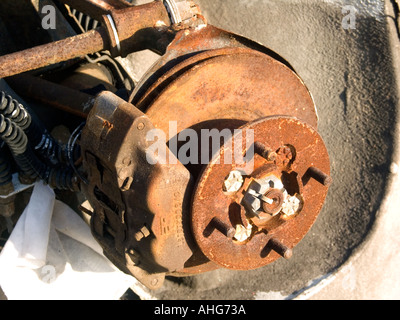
point(143, 233)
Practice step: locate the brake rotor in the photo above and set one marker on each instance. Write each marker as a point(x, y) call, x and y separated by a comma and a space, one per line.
point(294, 173)
point(226, 89)
point(236, 84)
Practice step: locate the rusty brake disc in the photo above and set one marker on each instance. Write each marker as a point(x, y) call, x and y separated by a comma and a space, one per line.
point(227, 84)
point(228, 88)
point(295, 172)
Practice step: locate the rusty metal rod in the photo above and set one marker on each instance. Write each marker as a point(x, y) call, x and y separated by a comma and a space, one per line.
point(280, 248)
point(52, 94)
point(264, 152)
point(52, 53)
point(131, 27)
point(320, 176)
point(226, 230)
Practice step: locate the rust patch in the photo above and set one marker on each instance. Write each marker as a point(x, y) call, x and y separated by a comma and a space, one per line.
point(276, 237)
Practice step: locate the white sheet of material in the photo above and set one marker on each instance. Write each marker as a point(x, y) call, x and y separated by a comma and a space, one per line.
point(52, 255)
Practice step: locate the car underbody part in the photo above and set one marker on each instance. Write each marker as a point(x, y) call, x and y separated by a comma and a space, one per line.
point(174, 218)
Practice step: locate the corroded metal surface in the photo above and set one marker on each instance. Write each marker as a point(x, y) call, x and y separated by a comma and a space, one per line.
point(229, 84)
point(148, 19)
point(272, 238)
point(224, 89)
point(151, 219)
point(52, 94)
point(140, 210)
point(210, 79)
point(189, 42)
point(48, 54)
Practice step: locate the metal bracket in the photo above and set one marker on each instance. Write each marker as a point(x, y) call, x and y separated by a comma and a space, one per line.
point(114, 33)
point(181, 10)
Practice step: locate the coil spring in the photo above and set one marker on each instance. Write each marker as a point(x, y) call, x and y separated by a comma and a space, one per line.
point(5, 168)
point(15, 126)
point(13, 136)
point(85, 22)
point(51, 150)
point(44, 144)
point(13, 110)
point(62, 179)
point(30, 166)
point(56, 178)
point(17, 141)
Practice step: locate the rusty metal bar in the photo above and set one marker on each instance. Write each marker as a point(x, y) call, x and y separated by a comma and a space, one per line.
point(52, 94)
point(130, 29)
point(52, 53)
point(280, 248)
point(140, 27)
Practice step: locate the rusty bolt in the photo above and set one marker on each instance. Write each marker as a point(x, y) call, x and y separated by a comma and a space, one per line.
point(276, 200)
point(139, 236)
point(142, 234)
point(222, 227)
point(280, 248)
point(264, 152)
point(320, 176)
